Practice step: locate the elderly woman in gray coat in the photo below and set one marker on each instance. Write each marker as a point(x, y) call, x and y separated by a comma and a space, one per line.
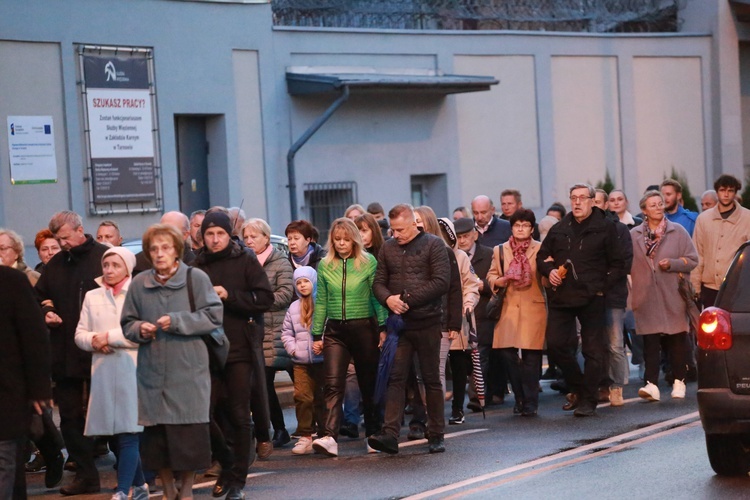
point(174, 384)
point(662, 252)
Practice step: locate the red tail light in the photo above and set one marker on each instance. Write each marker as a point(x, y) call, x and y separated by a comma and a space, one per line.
point(715, 333)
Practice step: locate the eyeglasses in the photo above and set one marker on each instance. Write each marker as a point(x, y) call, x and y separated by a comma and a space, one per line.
point(579, 199)
point(522, 225)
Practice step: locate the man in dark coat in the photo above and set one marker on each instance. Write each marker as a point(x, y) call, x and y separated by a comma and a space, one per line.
point(412, 277)
point(60, 290)
point(492, 229)
point(615, 302)
point(493, 368)
point(582, 258)
point(243, 287)
point(25, 373)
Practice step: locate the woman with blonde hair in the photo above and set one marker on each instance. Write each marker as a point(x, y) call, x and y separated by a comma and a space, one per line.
point(352, 317)
point(11, 254)
point(354, 211)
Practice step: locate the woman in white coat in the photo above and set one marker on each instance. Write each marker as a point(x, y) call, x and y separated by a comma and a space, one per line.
point(113, 402)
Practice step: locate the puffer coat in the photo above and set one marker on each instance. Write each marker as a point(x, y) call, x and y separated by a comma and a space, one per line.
point(279, 272)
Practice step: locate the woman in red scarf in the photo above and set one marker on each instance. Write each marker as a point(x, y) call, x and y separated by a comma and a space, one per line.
point(523, 319)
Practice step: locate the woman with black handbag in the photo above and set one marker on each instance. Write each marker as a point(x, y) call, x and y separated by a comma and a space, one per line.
point(174, 385)
point(523, 318)
point(243, 287)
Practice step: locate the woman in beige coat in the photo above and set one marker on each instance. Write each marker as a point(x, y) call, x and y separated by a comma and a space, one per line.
point(523, 319)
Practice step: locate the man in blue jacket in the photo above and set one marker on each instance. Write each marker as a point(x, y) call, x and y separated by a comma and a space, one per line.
point(671, 190)
point(492, 229)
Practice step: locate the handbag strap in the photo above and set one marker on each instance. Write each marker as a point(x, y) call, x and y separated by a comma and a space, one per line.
point(191, 298)
point(502, 261)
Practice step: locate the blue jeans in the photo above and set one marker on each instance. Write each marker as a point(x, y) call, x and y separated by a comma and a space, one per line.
point(129, 472)
point(352, 397)
point(619, 368)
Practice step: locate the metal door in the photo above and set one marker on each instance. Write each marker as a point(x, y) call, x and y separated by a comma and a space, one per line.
point(192, 162)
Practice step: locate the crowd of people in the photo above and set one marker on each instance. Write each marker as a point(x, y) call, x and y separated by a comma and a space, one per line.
point(169, 357)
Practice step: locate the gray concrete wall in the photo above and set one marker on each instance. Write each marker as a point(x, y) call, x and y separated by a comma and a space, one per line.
point(569, 106)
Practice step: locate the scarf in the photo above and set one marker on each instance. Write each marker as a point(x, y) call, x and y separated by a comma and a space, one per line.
point(118, 287)
point(302, 261)
point(653, 238)
point(265, 254)
point(519, 269)
point(163, 278)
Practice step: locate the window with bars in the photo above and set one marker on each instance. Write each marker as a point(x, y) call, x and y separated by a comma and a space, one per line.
point(326, 202)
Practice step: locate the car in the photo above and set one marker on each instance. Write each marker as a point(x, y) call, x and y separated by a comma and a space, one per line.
point(277, 241)
point(724, 371)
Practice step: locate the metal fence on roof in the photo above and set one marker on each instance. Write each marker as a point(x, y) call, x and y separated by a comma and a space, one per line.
point(597, 16)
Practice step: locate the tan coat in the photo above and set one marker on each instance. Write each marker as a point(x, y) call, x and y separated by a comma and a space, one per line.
point(523, 319)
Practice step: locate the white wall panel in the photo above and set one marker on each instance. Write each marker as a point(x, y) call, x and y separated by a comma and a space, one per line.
point(669, 119)
point(497, 130)
point(586, 116)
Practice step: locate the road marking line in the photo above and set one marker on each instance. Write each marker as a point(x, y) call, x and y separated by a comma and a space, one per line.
point(572, 461)
point(447, 436)
point(160, 493)
point(555, 457)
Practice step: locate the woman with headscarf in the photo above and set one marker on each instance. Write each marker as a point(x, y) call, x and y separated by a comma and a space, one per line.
point(113, 400)
point(174, 385)
point(460, 351)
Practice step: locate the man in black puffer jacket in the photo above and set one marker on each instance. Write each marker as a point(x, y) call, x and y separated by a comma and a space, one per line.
point(61, 289)
point(412, 276)
point(585, 244)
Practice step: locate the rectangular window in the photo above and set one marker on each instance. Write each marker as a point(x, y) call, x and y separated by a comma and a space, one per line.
point(326, 202)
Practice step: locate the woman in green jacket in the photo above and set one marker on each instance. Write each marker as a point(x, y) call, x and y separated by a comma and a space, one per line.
point(347, 310)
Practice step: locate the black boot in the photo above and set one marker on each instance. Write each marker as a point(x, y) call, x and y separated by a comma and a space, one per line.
point(280, 438)
point(437, 444)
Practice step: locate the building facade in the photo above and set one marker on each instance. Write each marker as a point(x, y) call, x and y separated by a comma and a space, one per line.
point(568, 107)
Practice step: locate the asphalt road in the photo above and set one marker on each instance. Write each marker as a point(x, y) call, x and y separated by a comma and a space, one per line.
point(642, 450)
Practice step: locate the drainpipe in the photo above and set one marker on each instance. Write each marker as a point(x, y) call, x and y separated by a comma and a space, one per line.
point(301, 142)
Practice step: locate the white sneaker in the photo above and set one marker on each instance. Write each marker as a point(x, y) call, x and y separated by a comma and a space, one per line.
point(327, 446)
point(140, 492)
point(119, 496)
point(303, 446)
point(369, 448)
point(678, 389)
point(649, 392)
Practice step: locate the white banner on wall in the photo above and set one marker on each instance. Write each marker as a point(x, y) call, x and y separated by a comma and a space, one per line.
point(31, 147)
point(120, 123)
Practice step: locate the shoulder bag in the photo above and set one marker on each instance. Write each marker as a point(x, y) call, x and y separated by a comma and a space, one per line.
point(217, 342)
point(495, 304)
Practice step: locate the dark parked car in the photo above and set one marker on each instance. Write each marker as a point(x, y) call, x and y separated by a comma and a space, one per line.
point(724, 371)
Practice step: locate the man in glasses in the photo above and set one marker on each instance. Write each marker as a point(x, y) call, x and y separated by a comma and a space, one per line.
point(582, 259)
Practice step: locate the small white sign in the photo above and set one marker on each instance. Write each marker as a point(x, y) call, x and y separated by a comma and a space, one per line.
point(31, 146)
